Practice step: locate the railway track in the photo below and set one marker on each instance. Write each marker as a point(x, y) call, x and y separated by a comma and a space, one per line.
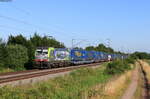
point(17, 76)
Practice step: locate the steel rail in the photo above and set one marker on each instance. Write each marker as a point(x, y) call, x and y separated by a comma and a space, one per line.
point(42, 73)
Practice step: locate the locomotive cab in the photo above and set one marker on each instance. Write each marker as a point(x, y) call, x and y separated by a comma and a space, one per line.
point(42, 57)
point(51, 57)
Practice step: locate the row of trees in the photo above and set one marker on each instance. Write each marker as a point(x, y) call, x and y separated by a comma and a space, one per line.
point(18, 51)
point(102, 47)
point(140, 55)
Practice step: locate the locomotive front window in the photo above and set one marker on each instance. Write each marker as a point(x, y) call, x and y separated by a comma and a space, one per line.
point(45, 52)
point(38, 52)
point(41, 52)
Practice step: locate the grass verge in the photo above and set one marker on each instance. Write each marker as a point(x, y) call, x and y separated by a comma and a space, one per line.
point(139, 89)
point(70, 86)
point(76, 85)
point(147, 61)
point(146, 68)
point(113, 89)
point(4, 70)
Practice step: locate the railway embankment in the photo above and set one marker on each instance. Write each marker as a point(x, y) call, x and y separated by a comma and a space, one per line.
point(78, 84)
point(69, 86)
point(34, 76)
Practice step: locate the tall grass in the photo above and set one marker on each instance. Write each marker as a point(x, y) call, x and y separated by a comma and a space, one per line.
point(146, 68)
point(3, 70)
point(70, 86)
point(7, 69)
point(113, 89)
point(148, 61)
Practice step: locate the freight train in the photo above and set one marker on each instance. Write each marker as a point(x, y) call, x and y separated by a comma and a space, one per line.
point(49, 57)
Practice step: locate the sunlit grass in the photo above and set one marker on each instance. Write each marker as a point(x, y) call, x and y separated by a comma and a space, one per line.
point(76, 85)
point(70, 86)
point(146, 67)
point(139, 89)
point(113, 89)
point(4, 70)
point(148, 61)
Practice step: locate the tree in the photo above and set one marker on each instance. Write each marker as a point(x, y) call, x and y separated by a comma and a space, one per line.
point(90, 48)
point(16, 56)
point(45, 41)
point(2, 53)
point(79, 48)
point(19, 39)
point(140, 55)
point(31, 52)
point(36, 40)
point(100, 47)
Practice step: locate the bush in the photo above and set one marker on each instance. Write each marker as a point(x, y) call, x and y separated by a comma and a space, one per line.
point(130, 60)
point(118, 66)
point(16, 56)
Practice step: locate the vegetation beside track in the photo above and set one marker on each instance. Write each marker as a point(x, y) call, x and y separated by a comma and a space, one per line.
point(4, 70)
point(113, 89)
point(69, 86)
point(76, 85)
point(119, 66)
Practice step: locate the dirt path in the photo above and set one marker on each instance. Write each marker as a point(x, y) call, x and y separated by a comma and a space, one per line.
point(144, 69)
point(129, 93)
point(146, 84)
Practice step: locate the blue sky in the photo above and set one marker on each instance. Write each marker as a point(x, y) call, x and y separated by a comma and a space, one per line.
point(125, 22)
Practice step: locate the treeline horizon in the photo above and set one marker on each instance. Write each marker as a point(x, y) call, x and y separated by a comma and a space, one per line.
point(18, 51)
